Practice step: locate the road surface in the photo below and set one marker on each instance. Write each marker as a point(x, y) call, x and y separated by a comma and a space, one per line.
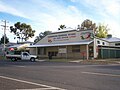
point(25, 75)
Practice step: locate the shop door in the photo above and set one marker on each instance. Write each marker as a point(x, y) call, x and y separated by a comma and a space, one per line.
point(91, 51)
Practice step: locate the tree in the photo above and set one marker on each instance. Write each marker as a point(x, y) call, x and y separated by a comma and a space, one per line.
point(2, 40)
point(22, 31)
point(88, 24)
point(102, 31)
point(37, 38)
point(42, 35)
point(62, 27)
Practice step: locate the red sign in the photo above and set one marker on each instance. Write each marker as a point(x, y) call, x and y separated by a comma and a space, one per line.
point(11, 49)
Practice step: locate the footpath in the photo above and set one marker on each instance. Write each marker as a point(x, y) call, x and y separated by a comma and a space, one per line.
point(98, 61)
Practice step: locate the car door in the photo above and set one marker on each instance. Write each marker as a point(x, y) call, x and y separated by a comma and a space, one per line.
point(25, 56)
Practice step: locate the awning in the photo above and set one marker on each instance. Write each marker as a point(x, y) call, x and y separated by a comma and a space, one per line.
point(20, 46)
point(62, 44)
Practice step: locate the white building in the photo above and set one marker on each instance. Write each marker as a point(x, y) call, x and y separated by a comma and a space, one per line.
point(76, 44)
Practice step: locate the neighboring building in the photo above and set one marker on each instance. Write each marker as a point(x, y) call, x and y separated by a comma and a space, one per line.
point(74, 44)
point(18, 47)
point(109, 47)
point(6, 46)
point(21, 45)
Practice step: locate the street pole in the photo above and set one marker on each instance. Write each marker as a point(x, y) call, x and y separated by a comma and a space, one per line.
point(5, 26)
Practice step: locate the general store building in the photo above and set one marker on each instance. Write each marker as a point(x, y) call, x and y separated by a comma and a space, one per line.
point(75, 44)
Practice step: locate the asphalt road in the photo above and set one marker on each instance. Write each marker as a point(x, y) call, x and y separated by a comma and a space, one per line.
point(25, 75)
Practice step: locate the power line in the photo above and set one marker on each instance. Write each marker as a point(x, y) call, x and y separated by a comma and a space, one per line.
point(4, 26)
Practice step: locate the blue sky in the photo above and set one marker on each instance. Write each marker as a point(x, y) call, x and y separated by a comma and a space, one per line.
point(45, 15)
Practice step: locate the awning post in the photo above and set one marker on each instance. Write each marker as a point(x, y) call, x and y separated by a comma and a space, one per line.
point(87, 52)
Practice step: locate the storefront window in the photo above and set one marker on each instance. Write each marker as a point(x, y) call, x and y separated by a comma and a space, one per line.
point(42, 51)
point(76, 48)
point(53, 53)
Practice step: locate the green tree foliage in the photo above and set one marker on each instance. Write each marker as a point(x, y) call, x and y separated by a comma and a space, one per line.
point(22, 31)
point(37, 39)
point(62, 27)
point(102, 31)
point(2, 40)
point(42, 35)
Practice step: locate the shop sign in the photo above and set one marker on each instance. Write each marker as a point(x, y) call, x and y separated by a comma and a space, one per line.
point(62, 50)
point(61, 37)
point(87, 35)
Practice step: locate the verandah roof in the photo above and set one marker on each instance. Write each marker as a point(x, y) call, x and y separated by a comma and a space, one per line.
point(62, 44)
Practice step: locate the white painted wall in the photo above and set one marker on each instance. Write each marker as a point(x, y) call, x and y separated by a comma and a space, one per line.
point(96, 45)
point(101, 42)
point(112, 44)
point(70, 36)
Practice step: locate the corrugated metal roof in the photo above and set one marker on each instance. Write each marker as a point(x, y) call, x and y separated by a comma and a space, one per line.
point(62, 44)
point(64, 30)
point(112, 39)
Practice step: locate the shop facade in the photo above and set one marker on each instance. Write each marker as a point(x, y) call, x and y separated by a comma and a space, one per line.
point(66, 44)
point(72, 44)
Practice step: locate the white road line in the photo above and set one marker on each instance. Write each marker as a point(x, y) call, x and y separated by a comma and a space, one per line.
point(19, 66)
point(27, 82)
point(102, 74)
point(40, 89)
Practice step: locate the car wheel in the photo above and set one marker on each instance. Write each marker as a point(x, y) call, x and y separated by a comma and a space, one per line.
point(32, 59)
point(13, 59)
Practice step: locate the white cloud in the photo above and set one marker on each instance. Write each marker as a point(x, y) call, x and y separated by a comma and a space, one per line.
point(108, 11)
point(8, 34)
point(114, 28)
point(56, 14)
point(70, 16)
point(103, 7)
point(48, 15)
point(112, 7)
point(74, 0)
point(73, 9)
point(8, 9)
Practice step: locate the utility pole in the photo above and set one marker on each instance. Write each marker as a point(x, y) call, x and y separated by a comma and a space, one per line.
point(4, 26)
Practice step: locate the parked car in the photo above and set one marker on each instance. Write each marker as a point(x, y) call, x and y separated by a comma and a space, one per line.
point(22, 56)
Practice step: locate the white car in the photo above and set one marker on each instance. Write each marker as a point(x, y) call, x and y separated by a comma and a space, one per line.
point(23, 56)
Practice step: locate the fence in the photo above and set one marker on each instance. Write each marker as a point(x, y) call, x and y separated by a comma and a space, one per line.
point(105, 53)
